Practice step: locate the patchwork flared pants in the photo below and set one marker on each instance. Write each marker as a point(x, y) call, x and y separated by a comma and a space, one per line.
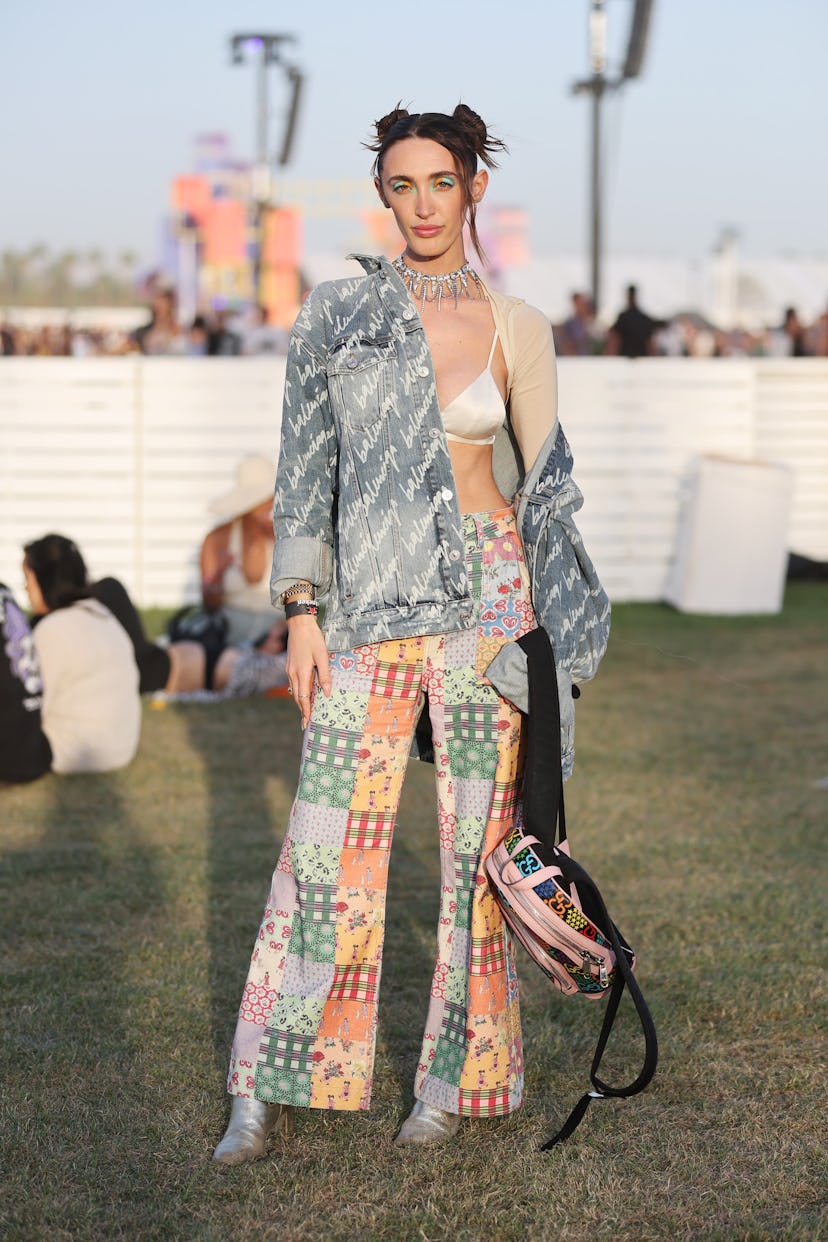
point(307, 1024)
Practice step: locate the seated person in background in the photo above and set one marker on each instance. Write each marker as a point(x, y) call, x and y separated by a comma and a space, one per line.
point(236, 555)
point(188, 665)
point(91, 705)
point(180, 666)
point(185, 666)
point(25, 753)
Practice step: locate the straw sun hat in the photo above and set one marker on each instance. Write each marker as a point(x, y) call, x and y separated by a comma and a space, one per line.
point(254, 485)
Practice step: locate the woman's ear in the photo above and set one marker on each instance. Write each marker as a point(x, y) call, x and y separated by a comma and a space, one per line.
point(380, 192)
point(480, 180)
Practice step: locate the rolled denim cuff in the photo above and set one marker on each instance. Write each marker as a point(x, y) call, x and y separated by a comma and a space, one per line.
point(299, 556)
point(509, 674)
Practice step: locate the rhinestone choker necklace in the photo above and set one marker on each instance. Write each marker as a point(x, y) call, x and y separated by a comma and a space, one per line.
point(463, 282)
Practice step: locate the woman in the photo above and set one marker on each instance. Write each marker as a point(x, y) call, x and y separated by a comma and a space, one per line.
point(91, 711)
point(236, 555)
point(389, 503)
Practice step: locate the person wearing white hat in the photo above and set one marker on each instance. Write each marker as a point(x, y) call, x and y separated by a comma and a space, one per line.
point(236, 555)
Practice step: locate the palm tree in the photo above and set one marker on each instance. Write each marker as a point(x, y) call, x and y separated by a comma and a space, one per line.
point(34, 260)
point(94, 263)
point(127, 261)
point(61, 286)
point(13, 274)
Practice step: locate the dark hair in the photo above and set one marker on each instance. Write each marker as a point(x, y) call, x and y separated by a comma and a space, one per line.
point(60, 570)
point(463, 133)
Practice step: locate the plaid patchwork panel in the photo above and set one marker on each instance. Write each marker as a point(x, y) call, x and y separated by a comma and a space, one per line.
point(487, 955)
point(465, 868)
point(334, 747)
point(397, 680)
point(504, 801)
point(355, 983)
point(485, 1103)
point(286, 1050)
point(454, 1024)
point(369, 830)
point(472, 722)
point(318, 902)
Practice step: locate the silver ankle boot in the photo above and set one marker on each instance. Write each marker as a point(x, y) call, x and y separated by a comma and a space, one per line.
point(427, 1124)
point(251, 1123)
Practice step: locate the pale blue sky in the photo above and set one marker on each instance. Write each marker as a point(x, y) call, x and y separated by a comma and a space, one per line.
point(101, 101)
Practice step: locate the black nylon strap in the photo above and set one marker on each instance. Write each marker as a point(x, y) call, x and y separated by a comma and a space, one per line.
point(543, 799)
point(544, 803)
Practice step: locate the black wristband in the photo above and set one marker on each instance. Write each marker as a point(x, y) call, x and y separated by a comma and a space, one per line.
point(300, 608)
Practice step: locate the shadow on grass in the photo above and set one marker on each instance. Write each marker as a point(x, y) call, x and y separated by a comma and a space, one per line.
point(248, 780)
point(90, 886)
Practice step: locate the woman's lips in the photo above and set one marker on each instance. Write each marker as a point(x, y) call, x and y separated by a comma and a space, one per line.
point(426, 230)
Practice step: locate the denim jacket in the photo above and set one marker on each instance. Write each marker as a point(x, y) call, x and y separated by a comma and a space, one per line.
point(366, 505)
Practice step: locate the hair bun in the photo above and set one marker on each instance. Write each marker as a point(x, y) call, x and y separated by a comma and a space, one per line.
point(473, 125)
point(474, 130)
point(384, 124)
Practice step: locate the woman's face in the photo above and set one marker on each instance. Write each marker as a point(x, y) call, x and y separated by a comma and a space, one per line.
point(36, 600)
point(422, 185)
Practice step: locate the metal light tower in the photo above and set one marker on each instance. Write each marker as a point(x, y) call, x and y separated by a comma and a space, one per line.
point(266, 51)
point(597, 86)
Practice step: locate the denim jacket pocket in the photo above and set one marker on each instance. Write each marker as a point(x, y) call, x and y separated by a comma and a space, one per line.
point(358, 382)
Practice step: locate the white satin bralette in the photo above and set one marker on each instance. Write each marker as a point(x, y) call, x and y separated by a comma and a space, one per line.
point(476, 414)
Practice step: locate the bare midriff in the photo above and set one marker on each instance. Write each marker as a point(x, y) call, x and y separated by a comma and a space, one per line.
point(477, 491)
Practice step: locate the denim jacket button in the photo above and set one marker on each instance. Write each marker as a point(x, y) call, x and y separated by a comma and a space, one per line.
point(351, 361)
point(424, 371)
point(408, 313)
point(454, 555)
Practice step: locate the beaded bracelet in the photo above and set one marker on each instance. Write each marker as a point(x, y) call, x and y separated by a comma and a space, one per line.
point(298, 588)
point(301, 608)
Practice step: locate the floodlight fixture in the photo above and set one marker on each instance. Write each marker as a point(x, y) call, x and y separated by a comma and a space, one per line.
point(265, 50)
point(636, 46)
point(295, 80)
point(268, 45)
point(597, 86)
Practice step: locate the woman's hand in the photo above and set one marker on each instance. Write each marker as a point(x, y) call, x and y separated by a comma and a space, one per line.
point(306, 655)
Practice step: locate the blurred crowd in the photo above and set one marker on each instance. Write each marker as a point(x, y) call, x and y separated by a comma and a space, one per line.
point(221, 333)
point(217, 334)
point(635, 334)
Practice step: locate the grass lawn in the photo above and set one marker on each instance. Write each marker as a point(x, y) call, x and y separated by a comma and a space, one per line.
point(130, 903)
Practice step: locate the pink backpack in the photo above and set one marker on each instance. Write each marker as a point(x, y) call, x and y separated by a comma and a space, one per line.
point(550, 902)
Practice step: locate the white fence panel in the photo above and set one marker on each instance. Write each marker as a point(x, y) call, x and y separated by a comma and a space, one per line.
point(126, 454)
point(635, 428)
point(68, 459)
point(792, 426)
point(199, 417)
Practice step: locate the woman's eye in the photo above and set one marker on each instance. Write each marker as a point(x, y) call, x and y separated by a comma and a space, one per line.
point(445, 183)
point(399, 187)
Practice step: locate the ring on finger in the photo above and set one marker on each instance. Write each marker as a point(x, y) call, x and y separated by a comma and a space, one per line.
point(303, 696)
